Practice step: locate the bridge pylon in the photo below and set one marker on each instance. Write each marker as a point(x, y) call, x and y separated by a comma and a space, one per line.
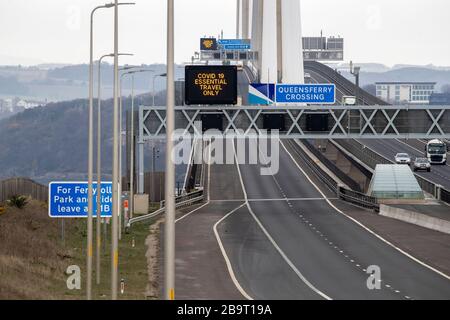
point(277, 37)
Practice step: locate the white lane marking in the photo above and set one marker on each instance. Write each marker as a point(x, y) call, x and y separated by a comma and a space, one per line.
point(225, 256)
point(191, 212)
point(362, 225)
point(384, 144)
point(409, 146)
point(420, 152)
point(325, 81)
point(280, 251)
point(222, 249)
point(276, 199)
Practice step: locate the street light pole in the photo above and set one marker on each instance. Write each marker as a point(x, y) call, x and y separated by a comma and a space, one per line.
point(99, 162)
point(91, 155)
point(120, 146)
point(131, 194)
point(169, 248)
point(114, 235)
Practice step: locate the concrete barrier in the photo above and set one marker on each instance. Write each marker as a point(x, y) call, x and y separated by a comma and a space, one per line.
point(415, 218)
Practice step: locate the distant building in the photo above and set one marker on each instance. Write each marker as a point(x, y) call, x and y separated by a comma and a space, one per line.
point(405, 92)
point(14, 105)
point(440, 99)
point(27, 104)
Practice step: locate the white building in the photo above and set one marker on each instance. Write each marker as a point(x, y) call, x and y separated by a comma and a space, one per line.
point(27, 104)
point(405, 92)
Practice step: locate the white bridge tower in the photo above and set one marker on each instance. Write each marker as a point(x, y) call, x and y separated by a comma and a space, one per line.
point(276, 34)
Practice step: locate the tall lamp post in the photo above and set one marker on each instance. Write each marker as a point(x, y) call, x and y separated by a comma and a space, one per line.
point(99, 161)
point(169, 234)
point(115, 162)
point(132, 73)
point(91, 153)
point(126, 68)
point(119, 181)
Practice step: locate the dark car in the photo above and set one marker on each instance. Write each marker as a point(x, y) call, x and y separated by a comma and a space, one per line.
point(422, 164)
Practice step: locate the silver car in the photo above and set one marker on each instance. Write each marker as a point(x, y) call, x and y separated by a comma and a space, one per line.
point(402, 158)
point(422, 164)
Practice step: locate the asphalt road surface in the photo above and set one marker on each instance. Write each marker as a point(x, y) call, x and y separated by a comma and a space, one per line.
point(390, 147)
point(279, 237)
point(440, 174)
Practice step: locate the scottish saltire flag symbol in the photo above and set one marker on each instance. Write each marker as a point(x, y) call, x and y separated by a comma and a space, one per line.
point(261, 94)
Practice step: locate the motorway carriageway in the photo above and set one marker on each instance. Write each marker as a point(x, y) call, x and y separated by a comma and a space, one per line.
point(440, 174)
point(281, 237)
point(390, 147)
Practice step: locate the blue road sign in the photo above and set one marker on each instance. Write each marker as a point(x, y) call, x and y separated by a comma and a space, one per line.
point(235, 44)
point(233, 41)
point(70, 199)
point(237, 47)
point(306, 93)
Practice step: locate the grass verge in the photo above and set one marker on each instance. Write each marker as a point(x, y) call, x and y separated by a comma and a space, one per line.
point(34, 257)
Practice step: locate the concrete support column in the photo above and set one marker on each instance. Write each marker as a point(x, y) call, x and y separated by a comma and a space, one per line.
point(292, 71)
point(245, 18)
point(238, 19)
point(268, 54)
point(279, 41)
point(277, 37)
point(438, 192)
point(257, 23)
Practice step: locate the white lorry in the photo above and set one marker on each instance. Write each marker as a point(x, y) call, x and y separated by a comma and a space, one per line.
point(436, 151)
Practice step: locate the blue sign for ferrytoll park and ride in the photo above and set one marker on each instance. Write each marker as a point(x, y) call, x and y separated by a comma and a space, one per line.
point(70, 199)
point(306, 93)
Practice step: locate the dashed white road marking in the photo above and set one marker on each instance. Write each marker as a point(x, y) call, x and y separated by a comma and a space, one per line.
point(222, 249)
point(362, 225)
point(277, 247)
point(225, 256)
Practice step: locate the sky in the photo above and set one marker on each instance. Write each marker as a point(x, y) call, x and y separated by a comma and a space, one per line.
point(57, 31)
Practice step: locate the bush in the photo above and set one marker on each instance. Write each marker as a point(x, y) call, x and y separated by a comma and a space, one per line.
point(2, 210)
point(17, 201)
